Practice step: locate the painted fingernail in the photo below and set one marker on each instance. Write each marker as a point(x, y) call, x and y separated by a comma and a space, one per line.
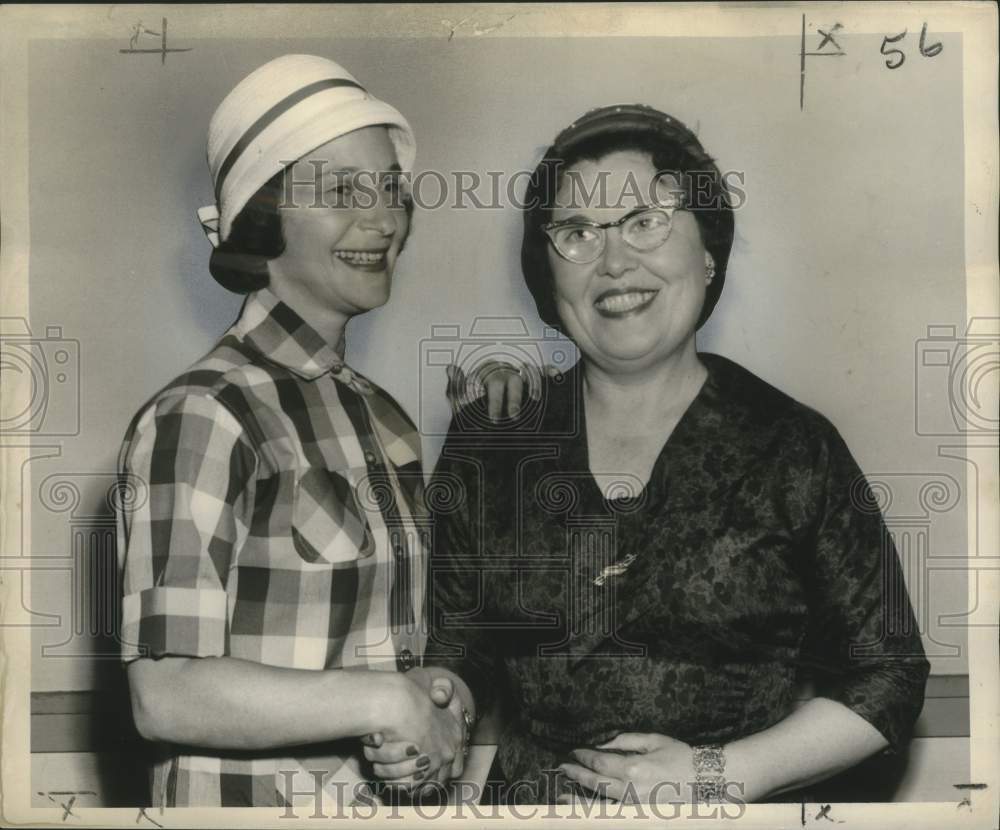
point(412, 750)
point(423, 761)
point(419, 775)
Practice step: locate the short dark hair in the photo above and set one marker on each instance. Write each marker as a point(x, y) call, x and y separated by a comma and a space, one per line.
point(239, 264)
point(671, 147)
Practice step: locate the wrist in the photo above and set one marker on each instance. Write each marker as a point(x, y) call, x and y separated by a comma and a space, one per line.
point(750, 777)
point(404, 703)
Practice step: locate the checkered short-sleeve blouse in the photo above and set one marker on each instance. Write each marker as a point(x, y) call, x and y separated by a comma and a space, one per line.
point(284, 525)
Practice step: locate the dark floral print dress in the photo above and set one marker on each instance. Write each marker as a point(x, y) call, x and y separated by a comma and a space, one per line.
point(754, 557)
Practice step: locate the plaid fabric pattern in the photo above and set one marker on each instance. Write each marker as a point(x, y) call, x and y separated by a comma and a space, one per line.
point(285, 525)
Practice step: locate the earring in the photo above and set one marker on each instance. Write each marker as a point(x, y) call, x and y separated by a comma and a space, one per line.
point(709, 269)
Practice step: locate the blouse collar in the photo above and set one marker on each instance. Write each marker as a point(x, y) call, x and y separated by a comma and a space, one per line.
point(271, 327)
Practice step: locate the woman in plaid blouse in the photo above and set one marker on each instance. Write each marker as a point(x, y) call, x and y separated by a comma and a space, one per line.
point(273, 579)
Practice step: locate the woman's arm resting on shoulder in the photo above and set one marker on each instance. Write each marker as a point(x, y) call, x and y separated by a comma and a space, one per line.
point(501, 383)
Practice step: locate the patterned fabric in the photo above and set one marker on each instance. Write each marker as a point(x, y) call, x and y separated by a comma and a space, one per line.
point(284, 525)
point(758, 558)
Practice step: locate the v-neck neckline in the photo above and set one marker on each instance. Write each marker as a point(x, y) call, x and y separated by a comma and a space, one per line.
point(650, 491)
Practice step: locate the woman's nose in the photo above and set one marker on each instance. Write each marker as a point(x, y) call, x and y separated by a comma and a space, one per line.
point(617, 258)
point(379, 219)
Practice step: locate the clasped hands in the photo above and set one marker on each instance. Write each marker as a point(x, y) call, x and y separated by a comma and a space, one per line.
point(631, 768)
point(427, 737)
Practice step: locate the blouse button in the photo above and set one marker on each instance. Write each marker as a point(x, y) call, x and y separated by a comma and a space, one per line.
point(370, 457)
point(405, 660)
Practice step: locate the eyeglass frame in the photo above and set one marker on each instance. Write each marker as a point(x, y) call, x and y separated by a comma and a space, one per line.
point(669, 209)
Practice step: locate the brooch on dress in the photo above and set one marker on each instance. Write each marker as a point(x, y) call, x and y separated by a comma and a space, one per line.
point(615, 569)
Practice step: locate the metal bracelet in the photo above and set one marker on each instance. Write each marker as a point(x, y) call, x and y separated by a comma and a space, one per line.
point(709, 763)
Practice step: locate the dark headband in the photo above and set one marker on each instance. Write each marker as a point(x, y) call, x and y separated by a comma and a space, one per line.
point(620, 118)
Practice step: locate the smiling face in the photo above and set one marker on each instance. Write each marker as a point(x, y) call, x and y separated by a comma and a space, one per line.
point(341, 243)
point(628, 309)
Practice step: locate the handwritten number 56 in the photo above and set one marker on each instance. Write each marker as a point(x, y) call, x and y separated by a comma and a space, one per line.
point(896, 57)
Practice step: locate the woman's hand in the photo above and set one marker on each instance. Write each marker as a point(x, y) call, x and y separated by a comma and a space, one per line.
point(420, 756)
point(656, 769)
point(500, 382)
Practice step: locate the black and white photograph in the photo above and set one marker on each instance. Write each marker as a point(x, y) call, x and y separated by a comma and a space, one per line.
point(502, 412)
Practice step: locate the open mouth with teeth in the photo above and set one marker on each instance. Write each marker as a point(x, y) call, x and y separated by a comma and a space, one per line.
point(366, 260)
point(620, 303)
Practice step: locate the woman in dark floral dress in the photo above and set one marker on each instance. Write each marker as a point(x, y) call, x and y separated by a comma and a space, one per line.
point(644, 564)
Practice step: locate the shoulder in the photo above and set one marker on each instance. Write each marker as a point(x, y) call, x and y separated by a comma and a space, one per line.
point(771, 428)
point(210, 392)
point(782, 442)
point(762, 404)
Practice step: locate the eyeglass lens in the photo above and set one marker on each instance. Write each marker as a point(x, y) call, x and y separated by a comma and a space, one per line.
point(584, 243)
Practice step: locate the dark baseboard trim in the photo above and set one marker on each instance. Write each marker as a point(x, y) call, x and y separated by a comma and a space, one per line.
point(101, 721)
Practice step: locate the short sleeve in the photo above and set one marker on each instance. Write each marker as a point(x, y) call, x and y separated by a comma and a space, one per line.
point(177, 545)
point(863, 642)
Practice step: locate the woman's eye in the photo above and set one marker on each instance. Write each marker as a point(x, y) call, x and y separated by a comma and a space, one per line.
point(339, 192)
point(339, 195)
point(397, 192)
point(579, 234)
point(648, 223)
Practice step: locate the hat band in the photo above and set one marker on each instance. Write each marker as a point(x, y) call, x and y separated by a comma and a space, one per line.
point(273, 115)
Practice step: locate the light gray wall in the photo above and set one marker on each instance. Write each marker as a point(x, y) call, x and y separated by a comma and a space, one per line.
point(850, 244)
